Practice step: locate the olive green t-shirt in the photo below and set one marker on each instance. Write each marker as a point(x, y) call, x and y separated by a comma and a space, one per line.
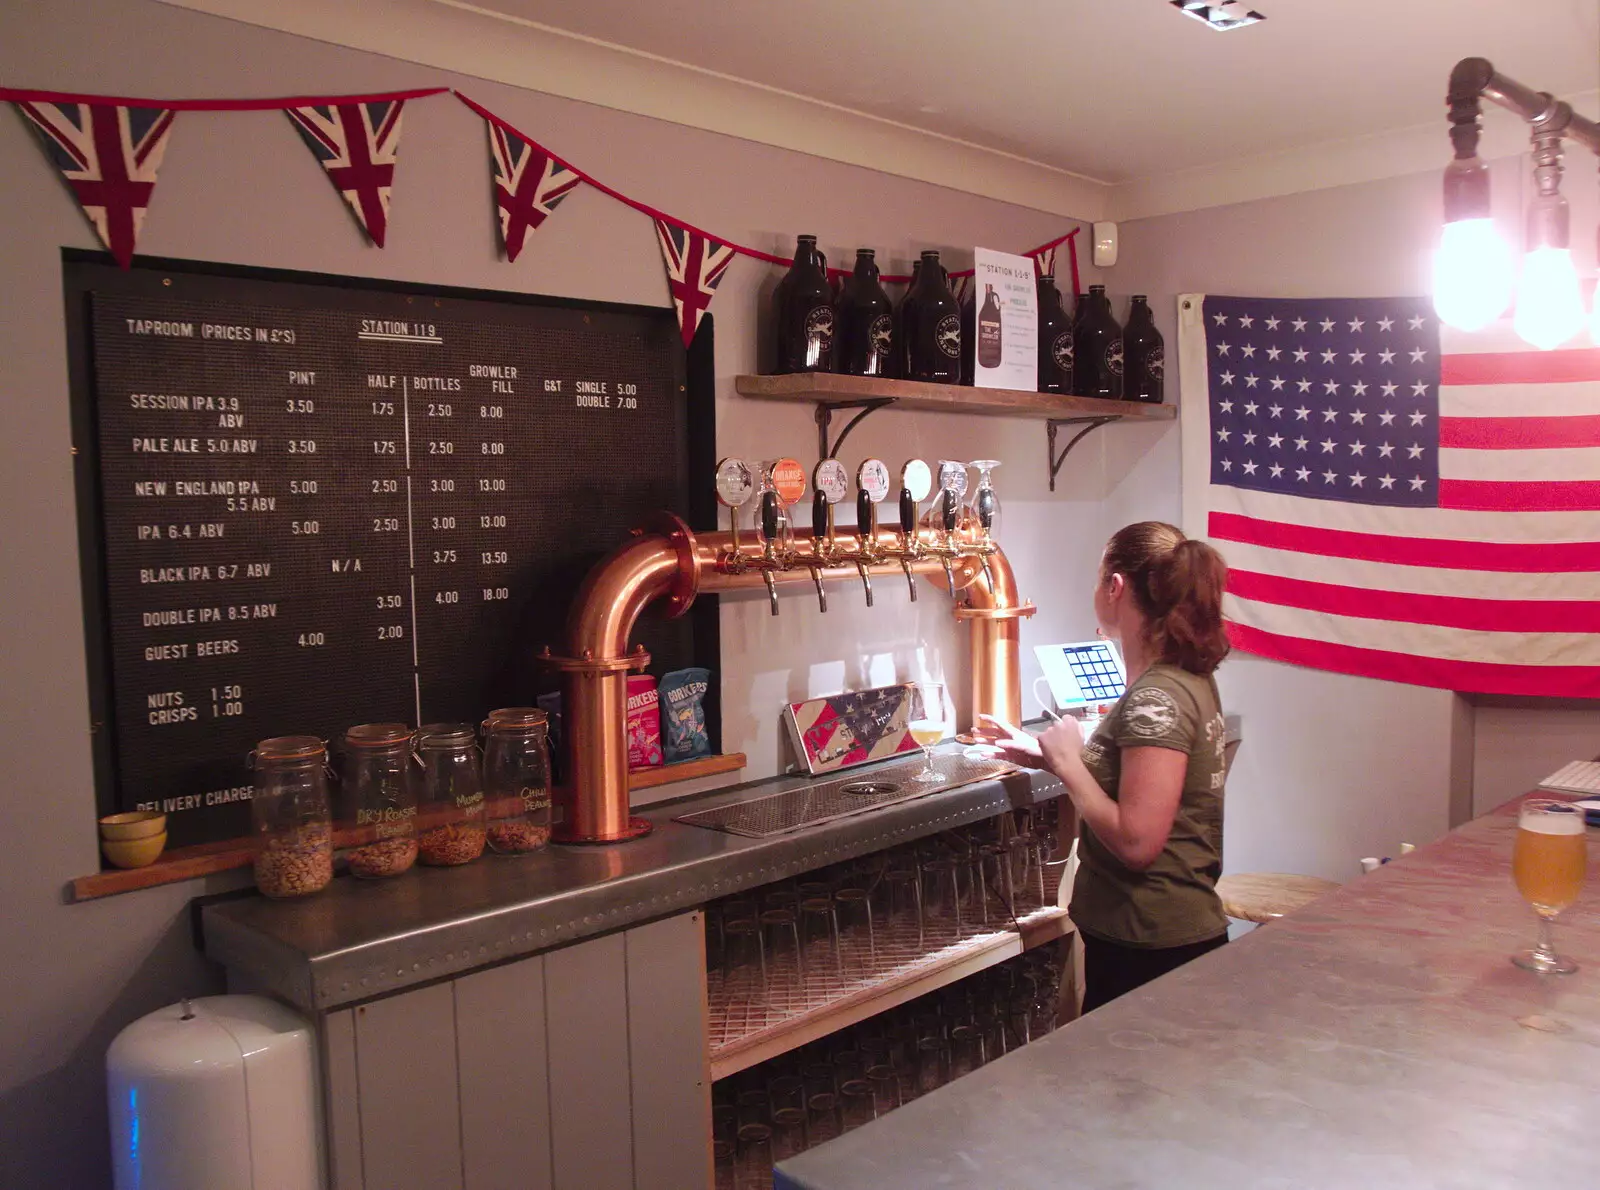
point(1174, 901)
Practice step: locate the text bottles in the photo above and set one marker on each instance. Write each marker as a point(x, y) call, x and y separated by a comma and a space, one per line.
point(1143, 355)
point(933, 327)
point(803, 313)
point(1097, 349)
point(866, 321)
point(1055, 340)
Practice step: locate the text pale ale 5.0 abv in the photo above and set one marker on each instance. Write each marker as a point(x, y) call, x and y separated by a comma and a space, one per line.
point(803, 313)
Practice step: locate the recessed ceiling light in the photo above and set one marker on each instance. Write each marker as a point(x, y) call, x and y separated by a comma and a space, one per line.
point(1220, 16)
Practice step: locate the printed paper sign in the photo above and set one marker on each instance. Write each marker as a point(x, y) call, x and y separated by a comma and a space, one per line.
point(1006, 331)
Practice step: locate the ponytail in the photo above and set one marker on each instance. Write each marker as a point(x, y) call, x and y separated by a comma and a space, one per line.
point(1177, 583)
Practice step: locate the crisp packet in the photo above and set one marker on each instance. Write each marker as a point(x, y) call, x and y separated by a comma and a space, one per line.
point(644, 722)
point(683, 716)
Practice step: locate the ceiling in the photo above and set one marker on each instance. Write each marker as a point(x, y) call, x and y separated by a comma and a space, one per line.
point(1095, 108)
point(1116, 90)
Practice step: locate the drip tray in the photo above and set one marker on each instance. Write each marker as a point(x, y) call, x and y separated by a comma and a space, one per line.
point(791, 809)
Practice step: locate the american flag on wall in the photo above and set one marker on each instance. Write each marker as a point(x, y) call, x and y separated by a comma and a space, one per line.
point(695, 264)
point(356, 143)
point(109, 155)
point(1395, 502)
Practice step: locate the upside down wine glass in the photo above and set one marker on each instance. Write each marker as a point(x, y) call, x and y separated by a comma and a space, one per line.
point(1547, 863)
point(929, 719)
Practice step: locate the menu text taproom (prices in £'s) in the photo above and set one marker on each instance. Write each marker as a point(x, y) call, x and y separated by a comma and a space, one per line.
point(319, 517)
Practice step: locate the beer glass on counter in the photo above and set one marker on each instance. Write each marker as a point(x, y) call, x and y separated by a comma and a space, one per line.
point(1547, 863)
point(928, 723)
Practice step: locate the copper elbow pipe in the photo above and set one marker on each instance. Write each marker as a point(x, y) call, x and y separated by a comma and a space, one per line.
point(676, 564)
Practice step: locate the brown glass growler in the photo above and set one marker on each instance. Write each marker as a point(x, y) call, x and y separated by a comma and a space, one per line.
point(1055, 340)
point(933, 327)
point(989, 329)
point(969, 339)
point(1143, 355)
point(902, 320)
point(803, 313)
point(865, 345)
point(1097, 349)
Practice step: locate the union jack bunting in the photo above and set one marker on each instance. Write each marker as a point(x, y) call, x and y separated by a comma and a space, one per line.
point(528, 184)
point(356, 143)
point(1044, 262)
point(959, 287)
point(108, 155)
point(695, 264)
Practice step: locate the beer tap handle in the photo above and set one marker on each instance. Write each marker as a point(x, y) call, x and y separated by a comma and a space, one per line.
point(769, 519)
point(987, 502)
point(872, 485)
point(866, 519)
point(819, 534)
point(916, 481)
point(949, 506)
point(735, 485)
point(908, 513)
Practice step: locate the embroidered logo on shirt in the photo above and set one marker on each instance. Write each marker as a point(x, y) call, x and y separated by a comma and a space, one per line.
point(1150, 713)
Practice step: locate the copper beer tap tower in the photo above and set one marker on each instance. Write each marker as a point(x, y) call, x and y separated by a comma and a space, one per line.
point(668, 561)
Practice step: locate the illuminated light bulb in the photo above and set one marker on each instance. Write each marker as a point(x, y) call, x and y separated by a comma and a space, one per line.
point(1549, 303)
point(1473, 274)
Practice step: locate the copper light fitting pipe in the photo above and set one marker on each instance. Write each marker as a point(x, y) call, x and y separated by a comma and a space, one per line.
point(668, 561)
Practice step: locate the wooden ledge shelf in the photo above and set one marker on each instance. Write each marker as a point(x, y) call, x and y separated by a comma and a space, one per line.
point(827, 388)
point(208, 859)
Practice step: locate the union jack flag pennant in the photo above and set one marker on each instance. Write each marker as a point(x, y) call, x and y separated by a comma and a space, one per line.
point(108, 155)
point(695, 264)
point(356, 143)
point(528, 184)
point(1044, 262)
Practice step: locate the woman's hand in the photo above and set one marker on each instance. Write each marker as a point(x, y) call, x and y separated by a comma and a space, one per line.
point(1062, 746)
point(1015, 745)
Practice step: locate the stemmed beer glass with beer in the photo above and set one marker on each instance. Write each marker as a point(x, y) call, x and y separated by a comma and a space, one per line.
point(1547, 863)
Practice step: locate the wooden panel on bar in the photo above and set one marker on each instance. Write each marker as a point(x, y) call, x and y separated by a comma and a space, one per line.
point(827, 388)
point(207, 859)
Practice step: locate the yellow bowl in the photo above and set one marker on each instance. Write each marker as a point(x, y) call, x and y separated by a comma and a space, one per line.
point(133, 853)
point(138, 824)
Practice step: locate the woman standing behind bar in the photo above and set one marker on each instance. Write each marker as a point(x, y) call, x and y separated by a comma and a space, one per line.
point(1147, 784)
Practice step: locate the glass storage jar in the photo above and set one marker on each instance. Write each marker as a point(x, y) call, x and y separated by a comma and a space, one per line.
point(453, 816)
point(516, 779)
point(290, 816)
point(378, 798)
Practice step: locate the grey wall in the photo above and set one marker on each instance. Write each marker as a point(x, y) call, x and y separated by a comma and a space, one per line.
point(1334, 767)
point(242, 188)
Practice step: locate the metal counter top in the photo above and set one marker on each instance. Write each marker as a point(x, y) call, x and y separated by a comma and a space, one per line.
point(1378, 1038)
point(360, 939)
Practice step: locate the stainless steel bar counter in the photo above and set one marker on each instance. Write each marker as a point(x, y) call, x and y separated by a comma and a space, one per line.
point(362, 939)
point(1378, 1038)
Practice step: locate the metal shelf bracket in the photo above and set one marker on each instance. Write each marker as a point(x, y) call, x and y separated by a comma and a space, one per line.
point(824, 416)
point(1088, 423)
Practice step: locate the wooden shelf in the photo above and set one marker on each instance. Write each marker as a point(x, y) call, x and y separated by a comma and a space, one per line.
point(826, 388)
point(853, 1001)
point(207, 859)
point(687, 770)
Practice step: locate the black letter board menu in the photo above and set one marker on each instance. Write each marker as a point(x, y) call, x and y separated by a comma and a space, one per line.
point(312, 503)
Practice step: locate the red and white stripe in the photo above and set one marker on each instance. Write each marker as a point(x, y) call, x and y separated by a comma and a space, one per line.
point(1496, 591)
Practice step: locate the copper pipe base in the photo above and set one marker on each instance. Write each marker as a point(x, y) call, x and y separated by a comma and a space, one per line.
point(637, 828)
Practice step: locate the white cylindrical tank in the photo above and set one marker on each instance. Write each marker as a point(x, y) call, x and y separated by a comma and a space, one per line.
point(212, 1093)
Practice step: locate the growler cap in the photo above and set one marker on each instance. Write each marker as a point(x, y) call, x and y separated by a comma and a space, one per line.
point(290, 747)
point(917, 478)
point(789, 480)
point(377, 735)
point(445, 735)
